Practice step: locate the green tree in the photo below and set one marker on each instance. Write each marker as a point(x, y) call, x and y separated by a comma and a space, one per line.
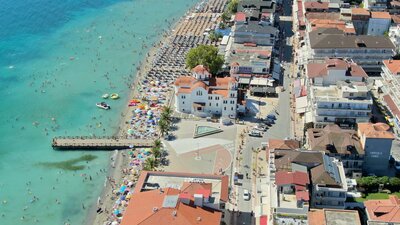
point(225, 17)
point(396, 57)
point(222, 26)
point(150, 164)
point(394, 183)
point(206, 55)
point(361, 5)
point(232, 6)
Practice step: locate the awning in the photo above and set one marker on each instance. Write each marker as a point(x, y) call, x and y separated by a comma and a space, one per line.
point(199, 104)
point(263, 220)
point(301, 104)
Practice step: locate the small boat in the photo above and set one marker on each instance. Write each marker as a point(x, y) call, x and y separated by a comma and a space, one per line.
point(114, 96)
point(105, 96)
point(103, 105)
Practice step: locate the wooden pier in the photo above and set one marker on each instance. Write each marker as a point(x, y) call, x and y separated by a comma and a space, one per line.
point(97, 143)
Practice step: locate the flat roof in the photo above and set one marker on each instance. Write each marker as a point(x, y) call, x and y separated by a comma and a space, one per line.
point(322, 38)
point(152, 180)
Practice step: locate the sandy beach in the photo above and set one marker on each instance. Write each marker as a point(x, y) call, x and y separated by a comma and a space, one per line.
point(119, 160)
point(119, 167)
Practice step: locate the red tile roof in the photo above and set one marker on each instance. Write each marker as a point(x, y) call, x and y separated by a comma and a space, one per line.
point(316, 5)
point(146, 208)
point(384, 210)
point(302, 195)
point(240, 16)
point(283, 144)
point(323, 15)
point(295, 178)
point(375, 130)
point(381, 15)
point(393, 66)
point(321, 69)
point(396, 18)
point(360, 11)
point(392, 105)
point(200, 69)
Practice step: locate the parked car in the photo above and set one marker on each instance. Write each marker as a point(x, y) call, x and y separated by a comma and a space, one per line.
point(271, 121)
point(271, 116)
point(255, 133)
point(246, 195)
point(267, 122)
point(261, 127)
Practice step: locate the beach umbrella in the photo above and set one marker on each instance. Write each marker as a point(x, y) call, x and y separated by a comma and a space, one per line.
point(130, 131)
point(122, 189)
point(122, 197)
point(149, 113)
point(116, 212)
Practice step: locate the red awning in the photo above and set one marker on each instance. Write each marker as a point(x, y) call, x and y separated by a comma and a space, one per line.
point(263, 220)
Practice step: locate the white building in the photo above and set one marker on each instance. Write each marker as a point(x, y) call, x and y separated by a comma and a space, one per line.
point(333, 70)
point(394, 35)
point(203, 95)
point(379, 23)
point(344, 104)
point(367, 51)
point(375, 5)
point(391, 91)
point(329, 184)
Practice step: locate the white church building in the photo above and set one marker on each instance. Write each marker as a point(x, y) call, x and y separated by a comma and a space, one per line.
point(202, 95)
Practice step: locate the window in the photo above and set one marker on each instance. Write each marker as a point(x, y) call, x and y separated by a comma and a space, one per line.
point(351, 94)
point(225, 101)
point(224, 108)
point(209, 104)
point(217, 98)
point(199, 93)
point(232, 108)
point(183, 103)
point(183, 97)
point(216, 104)
point(209, 97)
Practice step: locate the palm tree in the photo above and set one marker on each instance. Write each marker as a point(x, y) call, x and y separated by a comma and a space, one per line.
point(167, 113)
point(156, 152)
point(150, 164)
point(164, 126)
point(157, 143)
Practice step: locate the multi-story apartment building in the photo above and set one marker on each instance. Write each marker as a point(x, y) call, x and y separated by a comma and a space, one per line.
point(329, 184)
point(256, 33)
point(376, 139)
point(360, 18)
point(327, 180)
point(339, 143)
point(375, 5)
point(379, 23)
point(333, 70)
point(248, 59)
point(366, 51)
point(391, 91)
point(344, 104)
point(394, 35)
point(203, 95)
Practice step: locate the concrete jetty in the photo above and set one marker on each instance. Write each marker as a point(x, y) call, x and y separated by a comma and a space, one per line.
point(97, 143)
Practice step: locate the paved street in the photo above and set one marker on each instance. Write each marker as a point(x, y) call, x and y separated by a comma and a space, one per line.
point(280, 130)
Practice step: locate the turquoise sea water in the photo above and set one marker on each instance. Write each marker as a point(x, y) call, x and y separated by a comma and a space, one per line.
point(57, 57)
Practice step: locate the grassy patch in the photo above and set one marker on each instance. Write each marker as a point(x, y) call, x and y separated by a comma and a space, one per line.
point(372, 196)
point(69, 164)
